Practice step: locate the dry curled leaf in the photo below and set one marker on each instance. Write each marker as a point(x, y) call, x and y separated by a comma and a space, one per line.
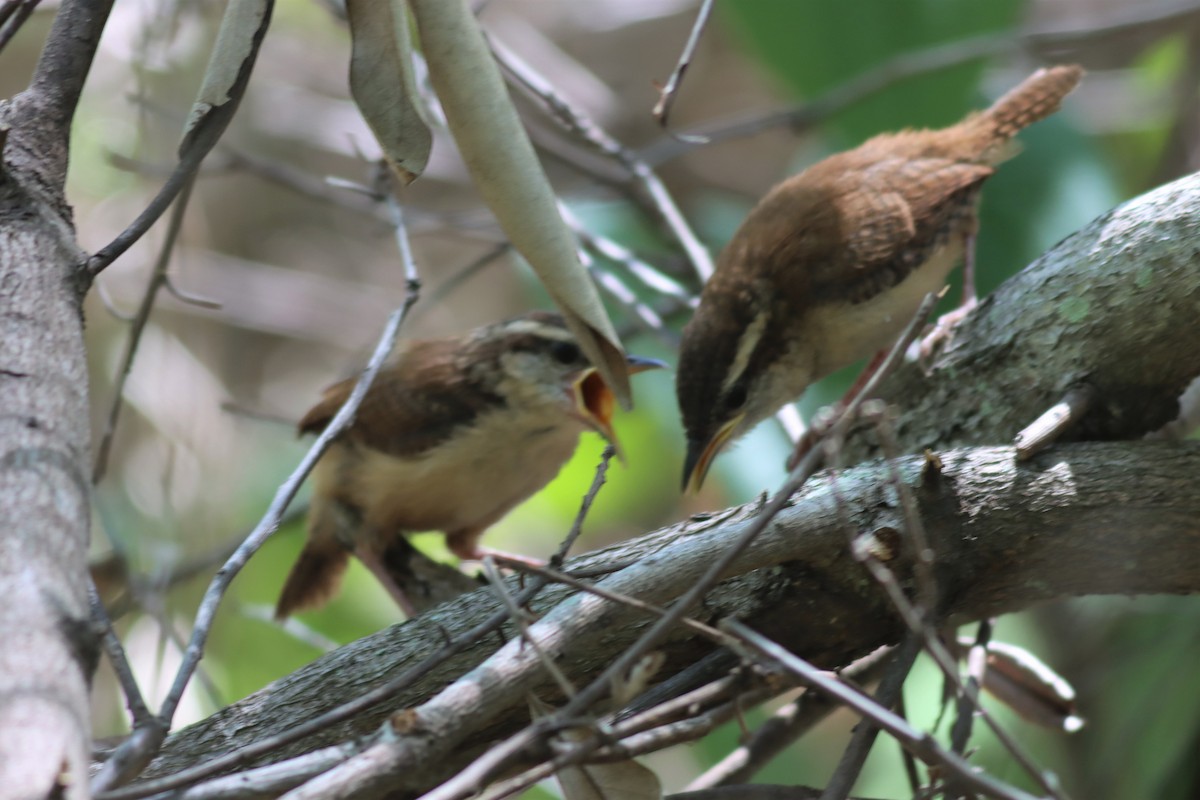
point(501, 160)
point(621, 780)
point(242, 29)
point(1023, 682)
point(635, 682)
point(384, 86)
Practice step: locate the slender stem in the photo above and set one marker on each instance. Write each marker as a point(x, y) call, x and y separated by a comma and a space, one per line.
point(375, 696)
point(887, 695)
point(158, 279)
point(666, 98)
point(920, 744)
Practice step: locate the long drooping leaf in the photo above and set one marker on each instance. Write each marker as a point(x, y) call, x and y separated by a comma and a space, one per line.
point(242, 29)
point(384, 86)
point(501, 160)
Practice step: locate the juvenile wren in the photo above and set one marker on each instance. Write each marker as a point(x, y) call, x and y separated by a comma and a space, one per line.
point(833, 262)
point(452, 434)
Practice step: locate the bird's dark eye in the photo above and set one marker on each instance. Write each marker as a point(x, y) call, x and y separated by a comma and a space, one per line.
point(736, 397)
point(565, 352)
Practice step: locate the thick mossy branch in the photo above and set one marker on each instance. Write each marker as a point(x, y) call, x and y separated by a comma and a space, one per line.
point(1079, 519)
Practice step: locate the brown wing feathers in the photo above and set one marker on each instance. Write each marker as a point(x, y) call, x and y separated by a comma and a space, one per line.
point(412, 406)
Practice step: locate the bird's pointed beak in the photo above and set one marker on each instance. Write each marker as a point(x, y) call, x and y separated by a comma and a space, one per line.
point(642, 364)
point(700, 454)
point(595, 402)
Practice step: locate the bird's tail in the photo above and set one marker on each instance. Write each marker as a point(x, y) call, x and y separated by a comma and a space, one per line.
point(1036, 98)
point(317, 573)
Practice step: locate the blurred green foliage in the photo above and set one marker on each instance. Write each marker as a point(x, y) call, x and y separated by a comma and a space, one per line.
point(812, 46)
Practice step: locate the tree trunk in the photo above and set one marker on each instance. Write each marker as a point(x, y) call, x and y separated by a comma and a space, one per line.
point(49, 649)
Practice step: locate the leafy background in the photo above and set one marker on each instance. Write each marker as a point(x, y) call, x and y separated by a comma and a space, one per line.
point(305, 279)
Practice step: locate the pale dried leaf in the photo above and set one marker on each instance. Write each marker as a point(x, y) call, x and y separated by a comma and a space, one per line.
point(242, 29)
point(640, 674)
point(501, 160)
point(538, 707)
point(1023, 682)
point(621, 780)
point(383, 83)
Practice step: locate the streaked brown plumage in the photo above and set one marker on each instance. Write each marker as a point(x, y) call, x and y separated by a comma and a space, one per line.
point(834, 261)
point(453, 433)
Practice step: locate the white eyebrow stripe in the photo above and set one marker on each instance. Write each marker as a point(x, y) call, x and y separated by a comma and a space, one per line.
point(746, 344)
point(540, 329)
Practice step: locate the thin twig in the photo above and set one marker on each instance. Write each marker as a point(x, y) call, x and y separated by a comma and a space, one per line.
point(189, 297)
point(787, 725)
point(197, 143)
point(650, 276)
point(917, 540)
point(517, 615)
point(920, 744)
point(272, 780)
point(555, 576)
point(13, 14)
point(269, 523)
point(666, 97)
point(1057, 420)
point(580, 124)
point(461, 276)
point(904, 67)
point(139, 586)
point(910, 763)
point(799, 119)
point(960, 733)
point(946, 663)
point(688, 703)
point(145, 724)
point(157, 280)
point(371, 698)
point(589, 497)
point(625, 744)
point(887, 695)
point(617, 290)
point(917, 619)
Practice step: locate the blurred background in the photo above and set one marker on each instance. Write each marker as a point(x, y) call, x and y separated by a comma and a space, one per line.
point(296, 276)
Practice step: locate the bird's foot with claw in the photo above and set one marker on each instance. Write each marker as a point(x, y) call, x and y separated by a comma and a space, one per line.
point(923, 350)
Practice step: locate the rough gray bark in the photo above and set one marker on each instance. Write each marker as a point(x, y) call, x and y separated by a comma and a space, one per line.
point(49, 649)
point(1082, 519)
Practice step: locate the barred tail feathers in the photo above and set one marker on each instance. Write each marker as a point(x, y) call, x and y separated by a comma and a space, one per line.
point(1037, 97)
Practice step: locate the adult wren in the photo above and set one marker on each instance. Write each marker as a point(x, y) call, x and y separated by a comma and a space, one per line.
point(452, 434)
point(832, 264)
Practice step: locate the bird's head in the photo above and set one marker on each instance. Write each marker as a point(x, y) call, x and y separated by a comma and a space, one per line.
point(737, 366)
point(539, 366)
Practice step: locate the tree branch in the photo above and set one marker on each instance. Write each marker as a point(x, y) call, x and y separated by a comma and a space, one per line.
point(1080, 519)
point(41, 115)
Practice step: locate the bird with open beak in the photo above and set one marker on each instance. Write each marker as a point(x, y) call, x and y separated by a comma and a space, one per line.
point(453, 433)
